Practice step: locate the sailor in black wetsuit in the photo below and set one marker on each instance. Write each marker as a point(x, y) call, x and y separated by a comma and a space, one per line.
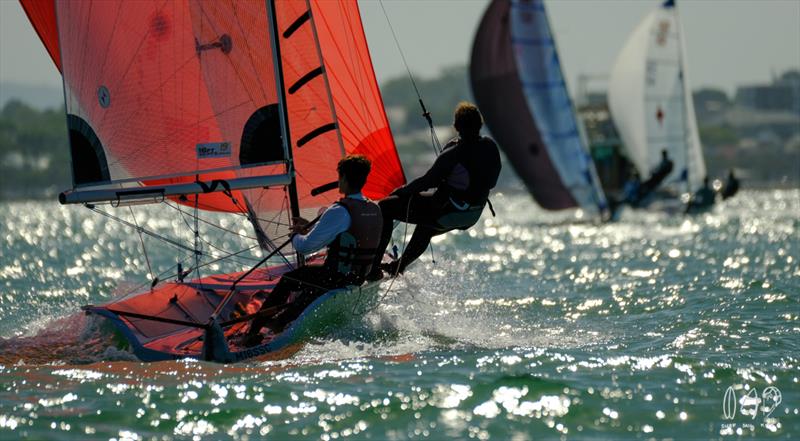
point(731, 187)
point(659, 174)
point(461, 177)
point(702, 199)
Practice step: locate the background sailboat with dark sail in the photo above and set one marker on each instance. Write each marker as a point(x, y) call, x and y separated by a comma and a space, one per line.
point(230, 106)
point(651, 102)
point(518, 83)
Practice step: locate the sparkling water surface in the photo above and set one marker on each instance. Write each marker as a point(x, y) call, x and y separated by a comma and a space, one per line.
point(531, 325)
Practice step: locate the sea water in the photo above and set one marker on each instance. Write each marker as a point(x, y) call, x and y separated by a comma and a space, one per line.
point(530, 325)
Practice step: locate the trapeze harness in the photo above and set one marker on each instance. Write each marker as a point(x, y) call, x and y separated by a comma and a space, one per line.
point(353, 251)
point(468, 184)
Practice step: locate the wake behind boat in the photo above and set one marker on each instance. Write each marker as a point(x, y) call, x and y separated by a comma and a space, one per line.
point(242, 108)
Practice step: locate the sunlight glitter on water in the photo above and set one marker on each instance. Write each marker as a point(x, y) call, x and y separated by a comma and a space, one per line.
point(528, 324)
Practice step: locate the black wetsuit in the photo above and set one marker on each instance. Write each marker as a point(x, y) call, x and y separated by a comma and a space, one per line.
point(702, 199)
point(462, 175)
point(731, 187)
point(659, 174)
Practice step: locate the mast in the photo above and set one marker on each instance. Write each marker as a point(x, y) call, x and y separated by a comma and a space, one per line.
point(682, 72)
point(294, 205)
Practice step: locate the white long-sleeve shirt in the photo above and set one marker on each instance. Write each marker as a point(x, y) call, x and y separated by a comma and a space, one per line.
point(333, 222)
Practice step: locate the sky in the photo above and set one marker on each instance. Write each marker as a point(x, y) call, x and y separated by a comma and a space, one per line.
point(729, 42)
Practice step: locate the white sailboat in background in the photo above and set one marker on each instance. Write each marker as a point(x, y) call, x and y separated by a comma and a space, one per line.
point(651, 102)
point(517, 81)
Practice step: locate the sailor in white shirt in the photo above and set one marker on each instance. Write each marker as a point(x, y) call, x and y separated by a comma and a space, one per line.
point(351, 231)
point(334, 221)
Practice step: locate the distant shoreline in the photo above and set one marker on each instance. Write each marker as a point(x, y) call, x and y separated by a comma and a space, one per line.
point(756, 186)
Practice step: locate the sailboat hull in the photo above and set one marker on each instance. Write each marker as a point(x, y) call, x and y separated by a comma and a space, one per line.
point(194, 301)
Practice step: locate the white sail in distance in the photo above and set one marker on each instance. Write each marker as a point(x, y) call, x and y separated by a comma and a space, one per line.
point(651, 102)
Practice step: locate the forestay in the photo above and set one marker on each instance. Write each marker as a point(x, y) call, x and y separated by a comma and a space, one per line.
point(651, 103)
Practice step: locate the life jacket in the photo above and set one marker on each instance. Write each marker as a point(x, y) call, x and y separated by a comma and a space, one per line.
point(353, 251)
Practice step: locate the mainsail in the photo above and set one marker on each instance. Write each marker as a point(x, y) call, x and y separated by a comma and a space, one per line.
point(651, 103)
point(518, 82)
point(188, 92)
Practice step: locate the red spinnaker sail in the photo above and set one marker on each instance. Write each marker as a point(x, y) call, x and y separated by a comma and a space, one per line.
point(42, 14)
point(150, 85)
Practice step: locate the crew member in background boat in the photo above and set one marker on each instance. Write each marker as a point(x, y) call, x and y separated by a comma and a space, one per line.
point(657, 177)
point(350, 229)
point(451, 195)
point(702, 199)
point(630, 192)
point(731, 186)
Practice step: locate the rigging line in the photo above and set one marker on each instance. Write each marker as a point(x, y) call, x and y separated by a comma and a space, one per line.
point(209, 223)
point(211, 262)
point(142, 229)
point(160, 277)
point(211, 244)
point(256, 223)
point(141, 239)
point(399, 261)
point(437, 146)
point(197, 236)
point(242, 215)
point(399, 49)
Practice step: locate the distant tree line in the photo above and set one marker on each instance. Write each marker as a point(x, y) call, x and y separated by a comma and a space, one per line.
point(440, 94)
point(34, 152)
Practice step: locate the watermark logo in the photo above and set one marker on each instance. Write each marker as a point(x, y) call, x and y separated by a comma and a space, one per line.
point(771, 399)
point(729, 404)
point(748, 405)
